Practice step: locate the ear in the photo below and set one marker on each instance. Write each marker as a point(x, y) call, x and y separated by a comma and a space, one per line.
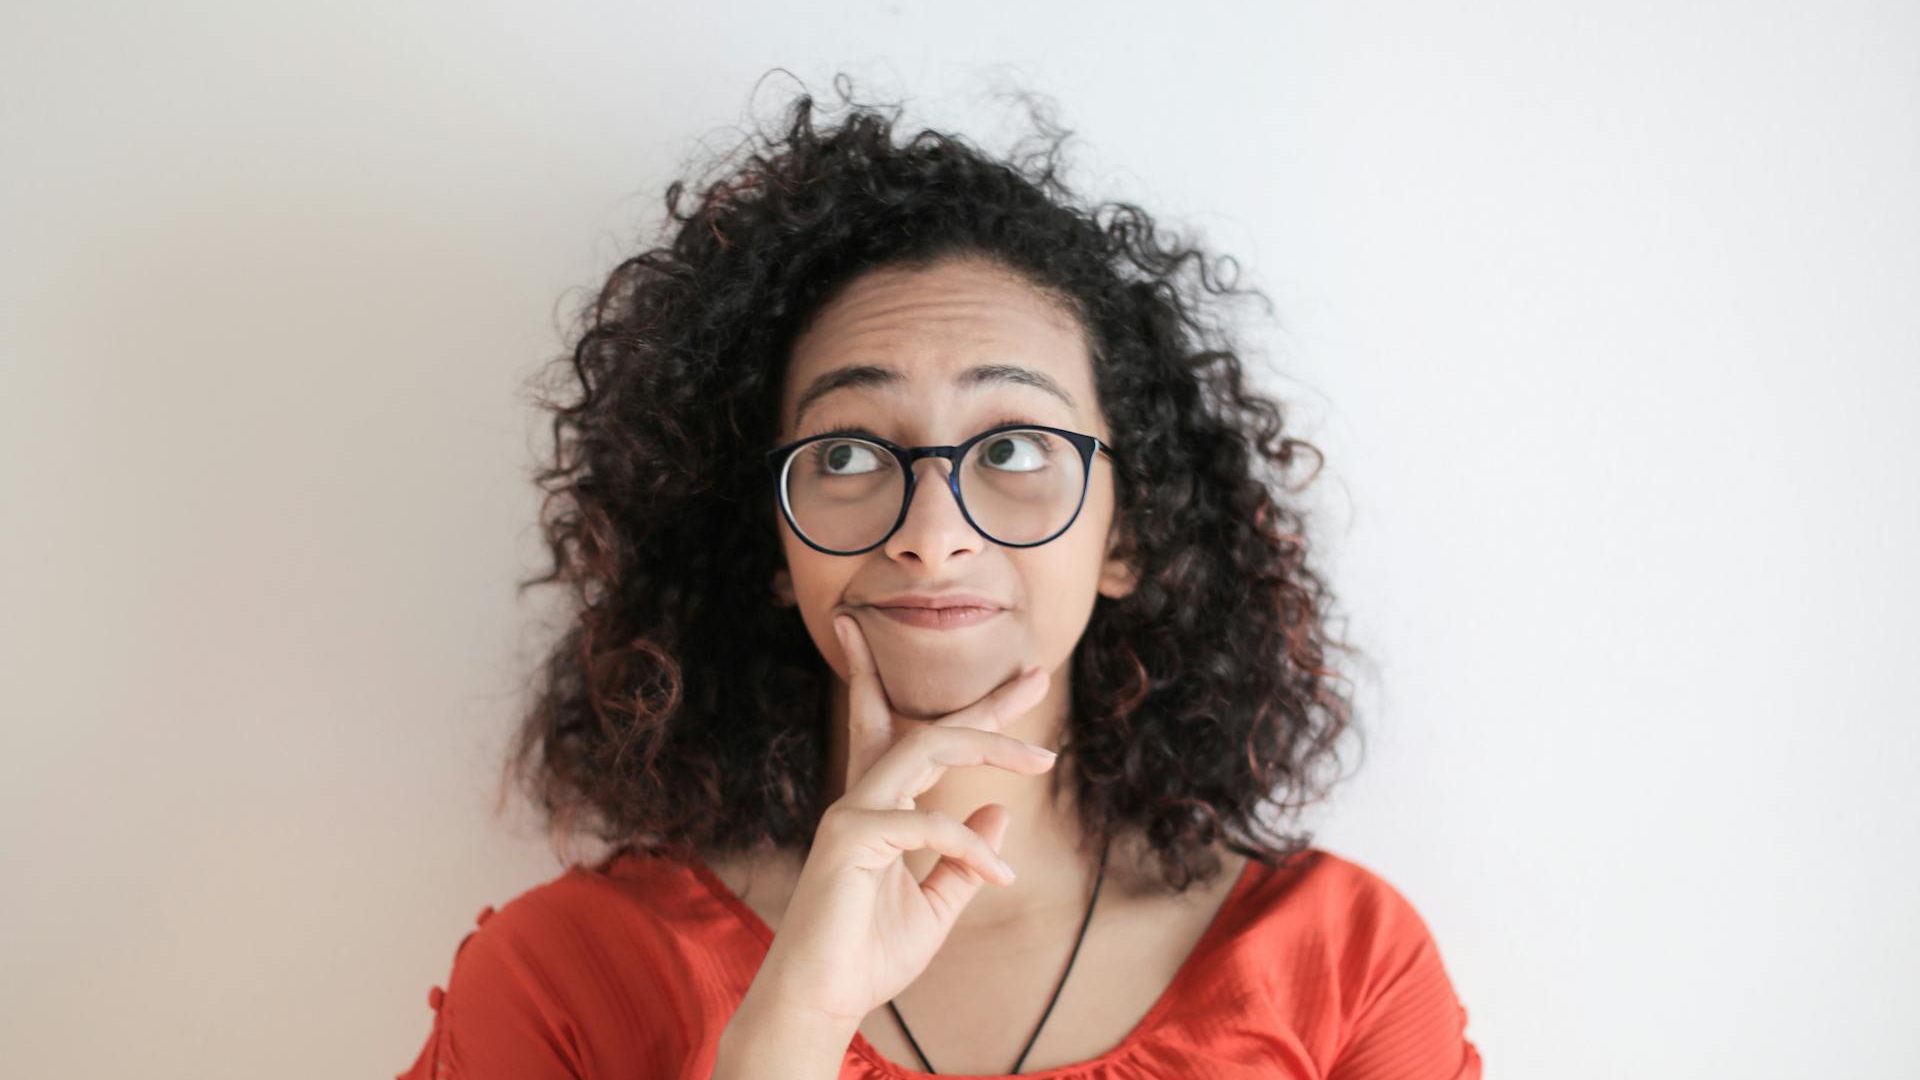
point(783, 588)
point(1119, 574)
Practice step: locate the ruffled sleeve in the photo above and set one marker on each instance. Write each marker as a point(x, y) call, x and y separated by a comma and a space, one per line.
point(497, 1018)
point(578, 977)
point(1406, 1022)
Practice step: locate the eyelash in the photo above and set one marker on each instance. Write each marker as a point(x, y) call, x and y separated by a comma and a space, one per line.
point(856, 431)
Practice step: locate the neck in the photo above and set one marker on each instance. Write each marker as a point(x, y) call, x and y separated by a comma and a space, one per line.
point(1043, 840)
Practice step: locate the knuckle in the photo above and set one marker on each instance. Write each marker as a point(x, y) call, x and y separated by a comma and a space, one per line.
point(944, 744)
point(970, 735)
point(834, 819)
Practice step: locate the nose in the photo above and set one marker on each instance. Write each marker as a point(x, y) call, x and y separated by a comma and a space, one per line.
point(934, 530)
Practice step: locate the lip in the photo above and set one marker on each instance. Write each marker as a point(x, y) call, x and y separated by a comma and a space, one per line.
point(937, 600)
point(938, 610)
point(950, 617)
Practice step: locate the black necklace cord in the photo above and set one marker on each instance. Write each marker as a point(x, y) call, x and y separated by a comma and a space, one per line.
point(1085, 922)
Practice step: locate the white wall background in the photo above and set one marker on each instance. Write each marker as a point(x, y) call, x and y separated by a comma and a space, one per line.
point(1605, 316)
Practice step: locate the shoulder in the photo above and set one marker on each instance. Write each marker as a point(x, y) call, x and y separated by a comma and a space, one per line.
point(586, 909)
point(555, 979)
point(1347, 901)
point(548, 936)
point(1352, 964)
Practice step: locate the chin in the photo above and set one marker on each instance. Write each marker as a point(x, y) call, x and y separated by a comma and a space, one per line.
point(925, 684)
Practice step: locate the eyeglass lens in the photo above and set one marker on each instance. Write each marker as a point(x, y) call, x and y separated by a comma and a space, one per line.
point(1019, 487)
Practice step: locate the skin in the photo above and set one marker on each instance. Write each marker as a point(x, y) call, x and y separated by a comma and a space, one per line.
point(929, 325)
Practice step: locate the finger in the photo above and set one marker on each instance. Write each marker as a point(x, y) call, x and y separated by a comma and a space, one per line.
point(994, 827)
point(952, 883)
point(869, 715)
point(916, 763)
point(880, 837)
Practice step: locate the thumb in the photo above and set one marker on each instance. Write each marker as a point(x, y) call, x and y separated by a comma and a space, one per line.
point(991, 821)
point(952, 884)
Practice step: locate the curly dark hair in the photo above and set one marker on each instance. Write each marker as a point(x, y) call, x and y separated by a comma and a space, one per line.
point(683, 710)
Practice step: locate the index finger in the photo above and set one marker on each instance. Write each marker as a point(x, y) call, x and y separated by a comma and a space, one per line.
point(869, 713)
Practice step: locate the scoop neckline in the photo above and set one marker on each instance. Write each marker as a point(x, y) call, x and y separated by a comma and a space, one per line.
point(1124, 1048)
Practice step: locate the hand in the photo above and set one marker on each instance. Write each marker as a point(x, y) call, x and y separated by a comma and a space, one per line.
point(859, 928)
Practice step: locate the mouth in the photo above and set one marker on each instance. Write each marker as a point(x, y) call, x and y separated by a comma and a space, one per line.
point(945, 615)
point(941, 618)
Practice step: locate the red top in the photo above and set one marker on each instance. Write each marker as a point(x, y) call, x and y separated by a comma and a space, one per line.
point(630, 968)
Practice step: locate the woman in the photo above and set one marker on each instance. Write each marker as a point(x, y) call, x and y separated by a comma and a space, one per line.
point(936, 637)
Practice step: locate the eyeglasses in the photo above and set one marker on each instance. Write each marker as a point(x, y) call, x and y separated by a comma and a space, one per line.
point(1020, 485)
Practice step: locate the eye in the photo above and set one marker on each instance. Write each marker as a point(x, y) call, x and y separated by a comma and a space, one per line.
point(1017, 451)
point(833, 457)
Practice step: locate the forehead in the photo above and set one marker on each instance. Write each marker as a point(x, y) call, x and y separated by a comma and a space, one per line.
point(958, 330)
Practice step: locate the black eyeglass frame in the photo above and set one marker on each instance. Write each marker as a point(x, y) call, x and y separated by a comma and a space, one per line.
point(1088, 445)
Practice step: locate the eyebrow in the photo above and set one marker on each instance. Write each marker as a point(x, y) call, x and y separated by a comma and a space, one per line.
point(875, 376)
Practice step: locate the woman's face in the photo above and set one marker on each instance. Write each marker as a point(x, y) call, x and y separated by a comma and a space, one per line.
point(957, 348)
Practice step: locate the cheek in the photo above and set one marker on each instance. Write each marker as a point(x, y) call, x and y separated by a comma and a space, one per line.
point(819, 585)
point(1063, 582)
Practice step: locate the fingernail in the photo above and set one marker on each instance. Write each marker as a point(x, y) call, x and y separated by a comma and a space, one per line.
point(1005, 868)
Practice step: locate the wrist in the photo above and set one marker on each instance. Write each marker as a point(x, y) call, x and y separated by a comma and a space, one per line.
point(772, 1037)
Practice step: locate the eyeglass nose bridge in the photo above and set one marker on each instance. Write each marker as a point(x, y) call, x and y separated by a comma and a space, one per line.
point(909, 457)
